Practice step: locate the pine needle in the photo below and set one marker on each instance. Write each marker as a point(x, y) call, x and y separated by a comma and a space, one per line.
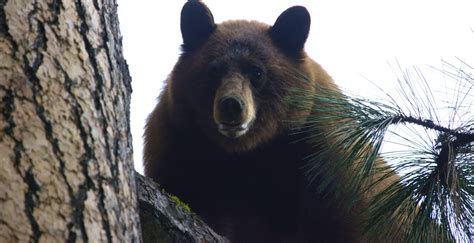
point(434, 198)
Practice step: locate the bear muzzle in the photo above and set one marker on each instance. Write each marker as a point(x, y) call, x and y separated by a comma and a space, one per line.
point(232, 120)
point(234, 107)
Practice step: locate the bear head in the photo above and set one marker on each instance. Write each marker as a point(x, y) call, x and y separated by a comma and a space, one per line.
point(232, 78)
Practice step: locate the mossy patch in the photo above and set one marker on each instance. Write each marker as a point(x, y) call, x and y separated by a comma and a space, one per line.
point(178, 202)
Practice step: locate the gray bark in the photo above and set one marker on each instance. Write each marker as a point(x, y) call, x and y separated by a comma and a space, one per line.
point(165, 219)
point(66, 169)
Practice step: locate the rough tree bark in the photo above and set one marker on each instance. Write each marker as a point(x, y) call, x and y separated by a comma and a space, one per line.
point(66, 169)
point(166, 219)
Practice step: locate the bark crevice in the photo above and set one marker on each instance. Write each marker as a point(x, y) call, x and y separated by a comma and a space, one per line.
point(98, 94)
point(31, 198)
point(79, 199)
point(105, 39)
point(28, 178)
point(32, 60)
point(4, 26)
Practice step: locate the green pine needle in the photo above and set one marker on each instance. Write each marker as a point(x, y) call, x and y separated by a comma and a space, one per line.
point(434, 198)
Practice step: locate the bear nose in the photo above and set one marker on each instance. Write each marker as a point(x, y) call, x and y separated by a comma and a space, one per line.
point(231, 109)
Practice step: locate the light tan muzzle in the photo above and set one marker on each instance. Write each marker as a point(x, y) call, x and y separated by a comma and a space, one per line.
point(234, 107)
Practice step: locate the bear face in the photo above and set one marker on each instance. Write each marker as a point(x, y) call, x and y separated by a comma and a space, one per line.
point(233, 77)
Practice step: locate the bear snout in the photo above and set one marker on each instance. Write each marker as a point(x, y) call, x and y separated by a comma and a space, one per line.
point(234, 107)
point(231, 110)
point(232, 117)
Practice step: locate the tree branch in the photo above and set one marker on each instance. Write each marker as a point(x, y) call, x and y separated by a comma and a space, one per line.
point(166, 219)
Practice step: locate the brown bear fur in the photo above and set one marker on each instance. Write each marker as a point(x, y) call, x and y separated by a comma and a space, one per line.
point(250, 188)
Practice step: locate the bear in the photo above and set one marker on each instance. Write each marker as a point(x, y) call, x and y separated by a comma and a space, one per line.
point(220, 140)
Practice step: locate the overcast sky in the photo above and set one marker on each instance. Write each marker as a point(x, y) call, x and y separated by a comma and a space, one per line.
point(352, 40)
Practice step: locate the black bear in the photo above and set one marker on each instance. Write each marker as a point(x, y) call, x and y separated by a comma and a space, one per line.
point(220, 139)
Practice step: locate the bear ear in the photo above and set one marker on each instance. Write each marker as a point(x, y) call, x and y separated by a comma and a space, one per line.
point(291, 30)
point(197, 24)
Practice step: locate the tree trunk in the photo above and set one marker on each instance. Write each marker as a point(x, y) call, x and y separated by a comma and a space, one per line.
point(66, 169)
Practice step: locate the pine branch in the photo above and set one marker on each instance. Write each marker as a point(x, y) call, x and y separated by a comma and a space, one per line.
point(434, 197)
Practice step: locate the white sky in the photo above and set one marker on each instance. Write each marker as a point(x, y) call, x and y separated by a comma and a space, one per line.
point(350, 39)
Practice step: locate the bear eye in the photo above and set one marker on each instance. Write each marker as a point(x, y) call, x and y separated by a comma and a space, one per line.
point(256, 77)
point(256, 73)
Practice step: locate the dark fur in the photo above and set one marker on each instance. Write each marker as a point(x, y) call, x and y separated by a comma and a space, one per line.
point(251, 188)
